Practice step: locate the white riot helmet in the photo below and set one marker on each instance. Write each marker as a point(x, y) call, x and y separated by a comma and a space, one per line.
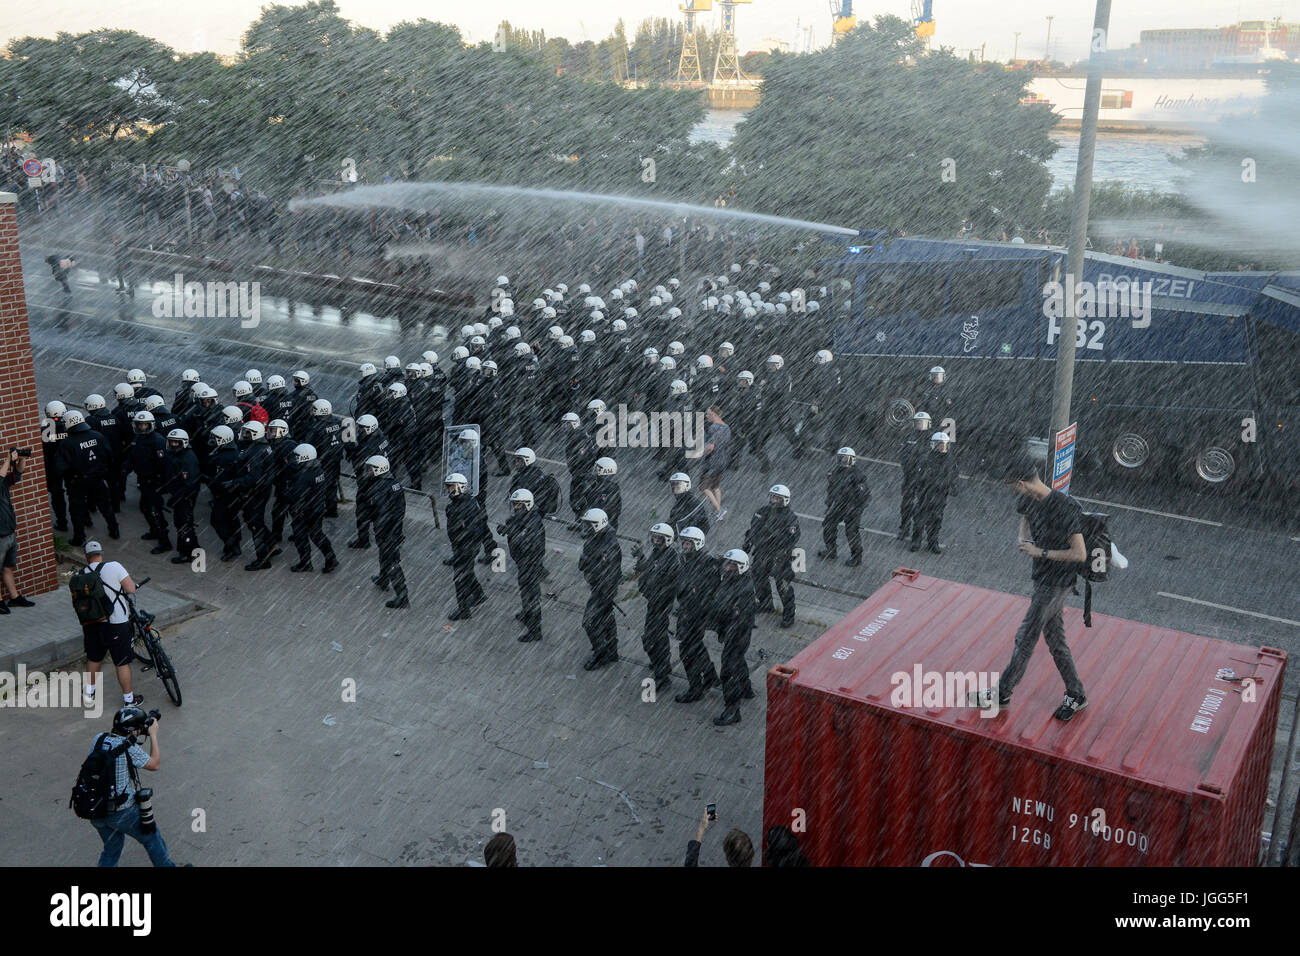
point(677, 387)
point(456, 484)
point(489, 369)
point(775, 362)
point(823, 357)
point(378, 465)
point(921, 421)
point(676, 348)
point(661, 534)
point(584, 289)
point(587, 336)
point(232, 415)
point(680, 482)
point(277, 428)
point(630, 313)
point(782, 492)
point(616, 294)
point(522, 348)
point(525, 454)
point(738, 558)
point(254, 430)
point(301, 378)
point(539, 304)
point(478, 341)
point(666, 298)
point(143, 418)
point(554, 333)
point(304, 453)
point(467, 437)
point(596, 406)
point(674, 313)
point(397, 390)
point(674, 282)
point(152, 402)
point(221, 435)
point(431, 357)
point(849, 453)
point(783, 297)
point(180, 436)
point(467, 331)
point(571, 419)
point(190, 376)
point(368, 369)
point(321, 407)
point(937, 374)
point(495, 323)
point(122, 391)
point(415, 367)
point(594, 520)
point(426, 369)
point(765, 287)
point(655, 300)
point(561, 290)
point(745, 378)
point(512, 333)
point(940, 440)
point(651, 353)
point(605, 467)
point(522, 496)
point(459, 353)
point(135, 377)
point(275, 383)
point(726, 350)
point(206, 393)
point(693, 536)
point(93, 403)
point(368, 424)
point(73, 417)
point(618, 326)
point(253, 377)
point(565, 342)
point(242, 389)
point(55, 409)
point(473, 363)
point(502, 281)
point(812, 306)
point(704, 363)
point(668, 364)
point(481, 328)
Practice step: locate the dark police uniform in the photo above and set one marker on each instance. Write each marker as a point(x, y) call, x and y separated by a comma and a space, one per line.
point(254, 475)
point(526, 538)
point(148, 459)
point(82, 462)
point(465, 531)
point(736, 606)
point(658, 572)
point(772, 534)
point(689, 510)
point(223, 467)
point(911, 452)
point(938, 480)
point(697, 584)
point(307, 492)
point(601, 565)
point(386, 502)
point(846, 495)
point(181, 486)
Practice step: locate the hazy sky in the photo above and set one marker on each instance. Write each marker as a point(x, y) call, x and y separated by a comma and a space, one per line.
point(218, 24)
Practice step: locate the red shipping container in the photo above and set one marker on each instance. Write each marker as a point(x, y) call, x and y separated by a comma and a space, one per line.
point(872, 764)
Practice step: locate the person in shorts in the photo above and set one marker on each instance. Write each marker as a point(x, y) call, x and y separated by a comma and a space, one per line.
point(717, 452)
point(11, 469)
point(111, 637)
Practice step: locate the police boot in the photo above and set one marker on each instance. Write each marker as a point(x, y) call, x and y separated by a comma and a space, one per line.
point(529, 637)
point(936, 547)
point(331, 563)
point(149, 535)
point(691, 694)
point(460, 614)
point(398, 601)
point(854, 561)
point(902, 533)
point(258, 564)
point(731, 715)
point(301, 566)
point(916, 543)
point(359, 543)
point(380, 582)
point(162, 547)
point(828, 553)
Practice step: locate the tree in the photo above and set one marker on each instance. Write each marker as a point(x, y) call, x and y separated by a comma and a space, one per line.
point(862, 134)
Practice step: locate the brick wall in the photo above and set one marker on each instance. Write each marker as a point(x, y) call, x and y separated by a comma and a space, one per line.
point(20, 416)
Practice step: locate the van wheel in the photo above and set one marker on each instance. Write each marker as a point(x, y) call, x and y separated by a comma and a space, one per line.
point(898, 413)
point(1131, 450)
point(1215, 465)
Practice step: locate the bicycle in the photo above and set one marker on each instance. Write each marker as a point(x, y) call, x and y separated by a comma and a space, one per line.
point(147, 644)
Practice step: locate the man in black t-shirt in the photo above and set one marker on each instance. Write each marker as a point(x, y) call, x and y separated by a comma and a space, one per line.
point(1051, 532)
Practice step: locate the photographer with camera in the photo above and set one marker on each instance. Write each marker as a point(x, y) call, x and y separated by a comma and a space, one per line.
point(11, 469)
point(108, 792)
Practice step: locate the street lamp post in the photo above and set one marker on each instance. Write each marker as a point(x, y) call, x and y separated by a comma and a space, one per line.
point(184, 167)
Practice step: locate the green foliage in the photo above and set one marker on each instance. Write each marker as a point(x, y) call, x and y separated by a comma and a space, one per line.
point(857, 135)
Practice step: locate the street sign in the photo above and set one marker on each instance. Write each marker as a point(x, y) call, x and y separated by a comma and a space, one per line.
point(32, 167)
point(1063, 458)
point(34, 182)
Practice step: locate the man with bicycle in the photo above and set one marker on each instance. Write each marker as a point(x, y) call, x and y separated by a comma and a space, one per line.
point(111, 636)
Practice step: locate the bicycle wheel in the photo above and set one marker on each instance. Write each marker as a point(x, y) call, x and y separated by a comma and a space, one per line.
point(163, 667)
point(143, 648)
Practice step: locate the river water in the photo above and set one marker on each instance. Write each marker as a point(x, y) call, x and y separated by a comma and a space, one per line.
point(1144, 160)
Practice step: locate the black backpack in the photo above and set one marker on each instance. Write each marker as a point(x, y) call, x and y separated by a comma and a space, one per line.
point(1096, 540)
point(89, 598)
point(548, 495)
point(92, 794)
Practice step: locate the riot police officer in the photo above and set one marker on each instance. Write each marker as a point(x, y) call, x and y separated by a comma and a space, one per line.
point(774, 410)
point(253, 482)
point(164, 419)
point(397, 419)
point(603, 491)
point(936, 396)
point(911, 452)
point(148, 459)
point(580, 454)
point(300, 409)
point(657, 572)
point(464, 531)
point(846, 495)
point(772, 535)
point(119, 440)
point(938, 480)
point(181, 486)
point(697, 583)
point(370, 443)
point(821, 391)
point(82, 462)
point(308, 492)
point(223, 471)
point(254, 378)
point(689, 510)
point(324, 432)
point(525, 536)
point(185, 394)
point(601, 565)
point(386, 502)
point(370, 392)
point(277, 401)
point(734, 621)
point(136, 379)
point(284, 467)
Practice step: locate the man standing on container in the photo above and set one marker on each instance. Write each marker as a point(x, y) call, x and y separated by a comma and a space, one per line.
point(1051, 532)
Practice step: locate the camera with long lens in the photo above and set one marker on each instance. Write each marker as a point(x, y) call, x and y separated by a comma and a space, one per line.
point(153, 715)
point(22, 452)
point(144, 800)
